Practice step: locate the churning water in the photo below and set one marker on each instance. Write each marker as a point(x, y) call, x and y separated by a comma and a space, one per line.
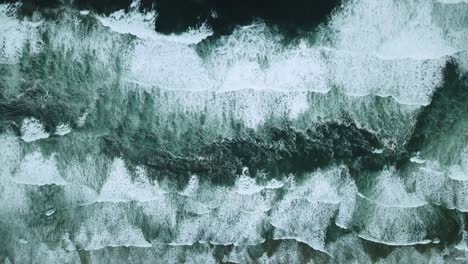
point(346, 143)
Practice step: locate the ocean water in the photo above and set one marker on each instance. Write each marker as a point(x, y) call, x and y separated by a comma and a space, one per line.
point(223, 132)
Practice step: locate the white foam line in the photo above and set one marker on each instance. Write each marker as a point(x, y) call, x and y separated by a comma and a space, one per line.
point(305, 242)
point(148, 245)
point(142, 25)
point(391, 206)
point(422, 242)
point(271, 91)
point(354, 53)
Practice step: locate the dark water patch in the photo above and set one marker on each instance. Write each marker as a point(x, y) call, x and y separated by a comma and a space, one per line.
point(178, 145)
point(103, 6)
point(48, 217)
point(445, 120)
point(176, 16)
point(6, 247)
point(277, 152)
point(334, 232)
point(28, 7)
point(223, 16)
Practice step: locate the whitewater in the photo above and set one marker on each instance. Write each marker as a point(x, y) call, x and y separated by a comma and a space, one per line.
point(347, 143)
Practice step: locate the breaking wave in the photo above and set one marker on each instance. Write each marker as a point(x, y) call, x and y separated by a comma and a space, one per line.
point(233, 139)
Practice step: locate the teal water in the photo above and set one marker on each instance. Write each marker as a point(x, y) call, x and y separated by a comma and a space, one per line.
point(346, 144)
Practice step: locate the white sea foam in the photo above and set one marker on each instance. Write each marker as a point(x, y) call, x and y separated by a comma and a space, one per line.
point(106, 225)
point(417, 159)
point(247, 73)
point(10, 157)
point(362, 60)
point(396, 225)
point(78, 195)
point(32, 130)
point(102, 46)
point(389, 29)
point(35, 169)
point(409, 81)
point(287, 252)
point(219, 215)
point(225, 216)
point(50, 212)
point(447, 186)
point(306, 212)
point(390, 191)
point(135, 23)
point(247, 185)
point(349, 248)
point(391, 39)
point(192, 186)
point(10, 154)
point(251, 65)
point(120, 187)
point(390, 214)
point(304, 221)
point(15, 34)
point(141, 25)
point(393, 243)
point(463, 244)
point(378, 151)
point(253, 58)
point(167, 65)
point(43, 253)
point(62, 129)
point(82, 120)
point(157, 253)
